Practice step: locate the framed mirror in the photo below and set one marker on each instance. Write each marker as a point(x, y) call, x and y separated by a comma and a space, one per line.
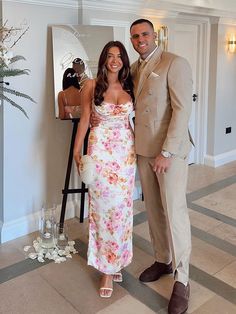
point(76, 50)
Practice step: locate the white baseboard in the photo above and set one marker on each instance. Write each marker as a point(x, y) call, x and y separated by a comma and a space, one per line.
point(221, 159)
point(30, 223)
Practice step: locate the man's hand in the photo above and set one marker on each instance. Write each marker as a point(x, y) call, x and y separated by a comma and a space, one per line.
point(161, 164)
point(94, 119)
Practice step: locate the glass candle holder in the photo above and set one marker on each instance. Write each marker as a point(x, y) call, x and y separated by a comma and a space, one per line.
point(61, 236)
point(47, 228)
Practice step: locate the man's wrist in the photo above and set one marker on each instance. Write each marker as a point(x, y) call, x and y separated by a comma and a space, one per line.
point(166, 154)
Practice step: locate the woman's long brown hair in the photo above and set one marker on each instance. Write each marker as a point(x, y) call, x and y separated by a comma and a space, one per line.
point(124, 75)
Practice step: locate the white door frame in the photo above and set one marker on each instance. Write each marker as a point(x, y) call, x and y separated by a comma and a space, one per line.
point(201, 105)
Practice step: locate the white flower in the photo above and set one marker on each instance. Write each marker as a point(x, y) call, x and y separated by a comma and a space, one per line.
point(55, 254)
point(5, 54)
point(8, 55)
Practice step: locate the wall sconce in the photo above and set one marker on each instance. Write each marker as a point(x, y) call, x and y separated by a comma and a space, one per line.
point(232, 44)
point(162, 37)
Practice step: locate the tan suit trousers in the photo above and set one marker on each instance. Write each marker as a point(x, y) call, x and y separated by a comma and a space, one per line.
point(165, 201)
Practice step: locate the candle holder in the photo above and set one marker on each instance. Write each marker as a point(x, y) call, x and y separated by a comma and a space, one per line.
point(61, 236)
point(47, 228)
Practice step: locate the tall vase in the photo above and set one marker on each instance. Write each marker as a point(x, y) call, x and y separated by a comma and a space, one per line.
point(47, 228)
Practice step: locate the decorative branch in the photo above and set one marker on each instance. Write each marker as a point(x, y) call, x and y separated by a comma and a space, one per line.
point(15, 105)
point(14, 43)
point(17, 58)
point(13, 72)
point(16, 93)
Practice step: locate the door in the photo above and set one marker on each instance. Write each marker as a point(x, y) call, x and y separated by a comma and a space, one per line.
point(184, 43)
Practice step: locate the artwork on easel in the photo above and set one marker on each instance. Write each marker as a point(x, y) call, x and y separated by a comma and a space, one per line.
point(76, 49)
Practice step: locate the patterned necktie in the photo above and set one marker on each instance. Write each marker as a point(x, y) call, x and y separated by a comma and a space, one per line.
point(140, 68)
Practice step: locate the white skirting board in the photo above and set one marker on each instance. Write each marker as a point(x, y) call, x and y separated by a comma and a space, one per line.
point(30, 223)
point(221, 159)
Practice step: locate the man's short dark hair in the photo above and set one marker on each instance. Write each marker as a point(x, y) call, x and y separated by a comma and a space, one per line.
point(140, 21)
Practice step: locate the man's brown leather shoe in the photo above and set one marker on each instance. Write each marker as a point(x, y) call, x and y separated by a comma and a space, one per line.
point(155, 271)
point(179, 298)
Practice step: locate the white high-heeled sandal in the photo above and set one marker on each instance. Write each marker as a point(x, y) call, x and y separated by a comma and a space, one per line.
point(106, 289)
point(117, 277)
point(103, 289)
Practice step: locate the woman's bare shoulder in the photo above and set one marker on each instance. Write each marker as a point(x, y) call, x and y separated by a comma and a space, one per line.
point(89, 83)
point(60, 94)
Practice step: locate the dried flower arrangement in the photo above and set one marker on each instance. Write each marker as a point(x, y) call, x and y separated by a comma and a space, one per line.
point(9, 37)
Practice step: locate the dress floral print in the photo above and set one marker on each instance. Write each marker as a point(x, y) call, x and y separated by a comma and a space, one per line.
point(111, 144)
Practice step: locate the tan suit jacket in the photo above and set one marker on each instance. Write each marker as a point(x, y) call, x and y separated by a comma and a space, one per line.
point(163, 98)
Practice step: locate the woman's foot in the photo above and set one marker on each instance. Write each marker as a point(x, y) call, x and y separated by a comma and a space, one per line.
point(117, 277)
point(106, 286)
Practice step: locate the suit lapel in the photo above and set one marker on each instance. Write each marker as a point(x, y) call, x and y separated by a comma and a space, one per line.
point(140, 78)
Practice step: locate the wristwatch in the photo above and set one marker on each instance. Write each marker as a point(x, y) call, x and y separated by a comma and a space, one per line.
point(166, 154)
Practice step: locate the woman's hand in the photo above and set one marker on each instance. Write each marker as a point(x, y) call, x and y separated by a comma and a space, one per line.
point(69, 109)
point(77, 159)
point(94, 119)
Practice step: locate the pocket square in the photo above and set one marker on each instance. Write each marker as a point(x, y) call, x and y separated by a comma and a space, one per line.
point(155, 74)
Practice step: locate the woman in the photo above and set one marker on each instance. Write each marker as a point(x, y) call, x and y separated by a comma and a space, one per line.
point(69, 98)
point(111, 145)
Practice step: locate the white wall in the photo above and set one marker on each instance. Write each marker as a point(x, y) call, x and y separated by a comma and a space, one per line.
point(35, 150)
point(221, 147)
point(225, 93)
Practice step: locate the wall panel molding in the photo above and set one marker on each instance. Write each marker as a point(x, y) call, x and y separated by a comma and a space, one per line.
point(114, 23)
point(227, 21)
point(73, 4)
point(154, 8)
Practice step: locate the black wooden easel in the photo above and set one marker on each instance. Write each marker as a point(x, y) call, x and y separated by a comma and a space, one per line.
point(66, 189)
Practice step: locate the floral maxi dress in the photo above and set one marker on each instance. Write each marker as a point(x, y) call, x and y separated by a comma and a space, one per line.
point(111, 144)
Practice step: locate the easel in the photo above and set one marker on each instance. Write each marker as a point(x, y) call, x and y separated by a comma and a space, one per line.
point(66, 189)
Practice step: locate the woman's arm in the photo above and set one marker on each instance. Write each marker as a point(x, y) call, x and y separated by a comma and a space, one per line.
point(86, 104)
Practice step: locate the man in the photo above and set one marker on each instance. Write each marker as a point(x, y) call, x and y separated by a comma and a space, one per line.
point(163, 97)
point(79, 67)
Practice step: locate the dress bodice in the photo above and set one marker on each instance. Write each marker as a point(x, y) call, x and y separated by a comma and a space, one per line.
point(114, 114)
